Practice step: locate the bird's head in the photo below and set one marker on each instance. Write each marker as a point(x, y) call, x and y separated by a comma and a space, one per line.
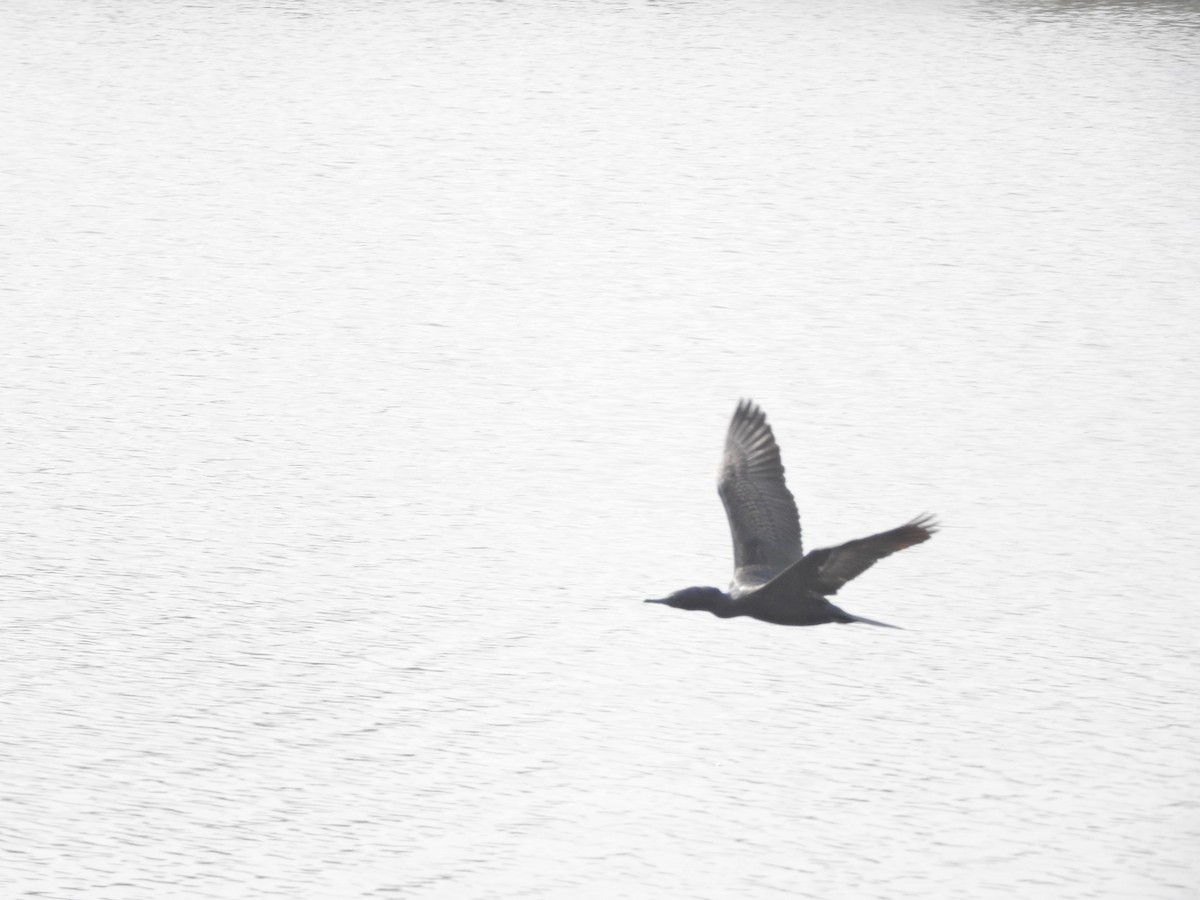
point(706, 598)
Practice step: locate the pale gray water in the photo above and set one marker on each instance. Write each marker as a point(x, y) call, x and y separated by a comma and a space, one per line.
point(366, 364)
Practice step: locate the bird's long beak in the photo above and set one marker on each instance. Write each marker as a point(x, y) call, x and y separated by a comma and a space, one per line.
point(655, 601)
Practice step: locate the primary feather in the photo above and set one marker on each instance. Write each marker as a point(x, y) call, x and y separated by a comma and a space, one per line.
point(763, 520)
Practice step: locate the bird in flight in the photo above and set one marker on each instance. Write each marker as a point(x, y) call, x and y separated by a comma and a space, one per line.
point(773, 579)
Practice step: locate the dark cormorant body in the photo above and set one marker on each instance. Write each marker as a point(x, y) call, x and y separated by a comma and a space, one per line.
point(773, 579)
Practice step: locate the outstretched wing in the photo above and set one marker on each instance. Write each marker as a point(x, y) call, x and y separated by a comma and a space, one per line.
point(825, 571)
point(762, 513)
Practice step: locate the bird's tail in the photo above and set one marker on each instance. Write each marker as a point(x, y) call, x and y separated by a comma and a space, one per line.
point(850, 617)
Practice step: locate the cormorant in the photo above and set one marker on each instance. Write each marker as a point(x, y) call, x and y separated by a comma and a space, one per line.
point(773, 580)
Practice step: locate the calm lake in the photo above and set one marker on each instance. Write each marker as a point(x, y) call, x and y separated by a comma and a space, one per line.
point(365, 364)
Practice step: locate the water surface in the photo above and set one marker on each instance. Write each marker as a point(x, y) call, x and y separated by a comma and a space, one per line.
point(366, 364)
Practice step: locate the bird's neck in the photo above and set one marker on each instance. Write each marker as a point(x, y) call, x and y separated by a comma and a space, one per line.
point(726, 608)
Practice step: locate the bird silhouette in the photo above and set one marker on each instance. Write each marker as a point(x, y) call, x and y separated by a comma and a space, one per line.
point(773, 579)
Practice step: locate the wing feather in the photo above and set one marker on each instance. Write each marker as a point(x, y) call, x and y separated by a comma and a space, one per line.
point(763, 519)
point(825, 571)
